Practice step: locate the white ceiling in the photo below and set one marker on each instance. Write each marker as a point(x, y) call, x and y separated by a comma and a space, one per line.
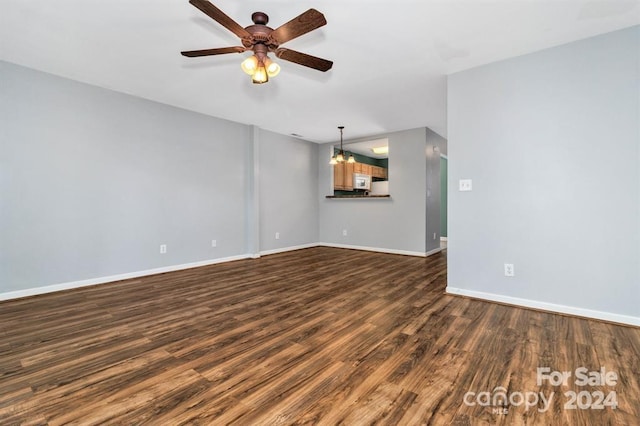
point(390, 58)
point(366, 147)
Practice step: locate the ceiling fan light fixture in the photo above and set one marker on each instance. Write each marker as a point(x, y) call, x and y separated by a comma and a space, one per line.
point(351, 159)
point(273, 69)
point(250, 65)
point(340, 157)
point(333, 161)
point(260, 76)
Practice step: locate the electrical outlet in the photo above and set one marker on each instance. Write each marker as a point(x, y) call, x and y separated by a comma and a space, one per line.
point(344, 232)
point(163, 248)
point(509, 271)
point(465, 185)
point(214, 243)
point(277, 235)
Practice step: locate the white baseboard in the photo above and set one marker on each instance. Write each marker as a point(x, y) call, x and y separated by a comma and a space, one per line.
point(290, 248)
point(434, 251)
point(379, 250)
point(552, 307)
point(102, 280)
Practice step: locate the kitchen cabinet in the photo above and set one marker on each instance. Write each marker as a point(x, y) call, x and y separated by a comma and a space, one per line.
point(379, 172)
point(343, 176)
point(348, 176)
point(338, 176)
point(362, 168)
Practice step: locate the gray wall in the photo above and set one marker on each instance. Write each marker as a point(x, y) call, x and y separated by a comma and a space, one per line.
point(288, 191)
point(93, 181)
point(552, 143)
point(397, 223)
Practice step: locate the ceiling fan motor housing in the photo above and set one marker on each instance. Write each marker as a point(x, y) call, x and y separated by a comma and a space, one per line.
point(260, 33)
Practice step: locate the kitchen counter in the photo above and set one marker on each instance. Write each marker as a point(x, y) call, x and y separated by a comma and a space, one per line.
point(366, 197)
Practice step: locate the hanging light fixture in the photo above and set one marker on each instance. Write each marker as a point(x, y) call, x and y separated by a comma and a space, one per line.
point(259, 66)
point(261, 39)
point(339, 157)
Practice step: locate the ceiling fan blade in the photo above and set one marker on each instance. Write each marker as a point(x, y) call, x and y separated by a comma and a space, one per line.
point(304, 59)
point(308, 21)
point(220, 17)
point(209, 52)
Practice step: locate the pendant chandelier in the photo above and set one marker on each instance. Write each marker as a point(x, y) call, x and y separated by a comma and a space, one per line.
point(339, 157)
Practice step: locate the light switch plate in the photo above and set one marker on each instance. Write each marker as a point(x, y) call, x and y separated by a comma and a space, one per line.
point(465, 185)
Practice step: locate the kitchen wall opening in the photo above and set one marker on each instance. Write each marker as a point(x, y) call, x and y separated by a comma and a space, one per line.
point(368, 176)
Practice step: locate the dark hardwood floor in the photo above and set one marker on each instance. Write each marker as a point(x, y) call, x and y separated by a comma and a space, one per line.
point(316, 336)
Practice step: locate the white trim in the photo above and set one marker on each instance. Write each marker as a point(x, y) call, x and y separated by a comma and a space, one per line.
point(111, 278)
point(563, 309)
point(102, 280)
point(379, 250)
point(444, 156)
point(434, 251)
point(443, 238)
point(290, 248)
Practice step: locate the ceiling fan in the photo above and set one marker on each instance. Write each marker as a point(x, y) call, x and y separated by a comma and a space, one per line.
point(262, 39)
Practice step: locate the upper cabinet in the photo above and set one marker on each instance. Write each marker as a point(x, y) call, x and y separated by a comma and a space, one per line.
point(365, 169)
point(379, 172)
point(343, 174)
point(342, 179)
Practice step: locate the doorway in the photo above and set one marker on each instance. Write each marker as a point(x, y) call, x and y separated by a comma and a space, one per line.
point(443, 200)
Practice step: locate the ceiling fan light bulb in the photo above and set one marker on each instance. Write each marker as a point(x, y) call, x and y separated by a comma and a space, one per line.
point(333, 161)
point(250, 65)
point(351, 159)
point(260, 76)
point(273, 69)
point(340, 157)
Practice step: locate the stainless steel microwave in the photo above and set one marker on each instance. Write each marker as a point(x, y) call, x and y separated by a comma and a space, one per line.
point(361, 181)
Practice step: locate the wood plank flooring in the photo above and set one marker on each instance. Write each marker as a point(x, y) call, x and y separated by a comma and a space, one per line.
point(316, 336)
